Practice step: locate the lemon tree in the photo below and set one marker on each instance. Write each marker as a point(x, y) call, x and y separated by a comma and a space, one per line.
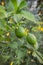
point(14, 37)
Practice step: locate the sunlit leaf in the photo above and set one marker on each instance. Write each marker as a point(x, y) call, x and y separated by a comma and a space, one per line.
point(22, 4)
point(15, 4)
point(28, 15)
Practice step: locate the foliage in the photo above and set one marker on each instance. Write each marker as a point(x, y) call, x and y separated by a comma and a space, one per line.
point(15, 50)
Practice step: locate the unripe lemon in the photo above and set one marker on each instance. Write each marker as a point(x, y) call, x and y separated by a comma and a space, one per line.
point(31, 39)
point(20, 32)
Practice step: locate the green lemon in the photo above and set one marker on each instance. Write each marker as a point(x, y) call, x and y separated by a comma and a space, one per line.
point(20, 32)
point(31, 39)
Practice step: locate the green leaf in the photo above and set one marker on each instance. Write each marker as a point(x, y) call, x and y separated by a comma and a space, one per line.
point(22, 4)
point(3, 13)
point(28, 15)
point(15, 4)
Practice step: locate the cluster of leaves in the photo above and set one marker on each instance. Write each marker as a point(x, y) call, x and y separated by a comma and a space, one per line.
point(14, 50)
